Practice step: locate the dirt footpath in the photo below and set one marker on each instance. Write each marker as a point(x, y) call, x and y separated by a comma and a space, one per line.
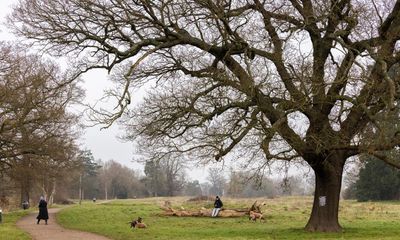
point(52, 231)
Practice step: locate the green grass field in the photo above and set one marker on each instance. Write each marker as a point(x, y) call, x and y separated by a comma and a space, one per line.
point(8, 230)
point(285, 219)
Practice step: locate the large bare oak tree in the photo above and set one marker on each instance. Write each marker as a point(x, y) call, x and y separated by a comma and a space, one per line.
point(37, 132)
point(292, 79)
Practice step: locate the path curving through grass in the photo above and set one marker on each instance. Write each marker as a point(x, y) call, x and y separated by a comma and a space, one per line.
point(52, 231)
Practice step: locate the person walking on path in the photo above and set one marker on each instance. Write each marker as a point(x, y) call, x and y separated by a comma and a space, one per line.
point(217, 207)
point(43, 213)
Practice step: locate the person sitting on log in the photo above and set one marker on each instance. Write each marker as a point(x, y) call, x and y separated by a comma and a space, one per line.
point(217, 207)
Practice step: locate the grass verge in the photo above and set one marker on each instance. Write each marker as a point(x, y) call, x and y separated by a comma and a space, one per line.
point(285, 219)
point(8, 229)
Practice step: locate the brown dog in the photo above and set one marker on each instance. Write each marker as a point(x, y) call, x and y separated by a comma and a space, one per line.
point(137, 223)
point(254, 215)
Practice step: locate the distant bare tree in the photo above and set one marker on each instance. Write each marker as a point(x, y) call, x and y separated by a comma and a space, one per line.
point(244, 184)
point(236, 184)
point(193, 188)
point(174, 171)
point(119, 181)
point(164, 177)
point(256, 80)
point(217, 180)
point(155, 179)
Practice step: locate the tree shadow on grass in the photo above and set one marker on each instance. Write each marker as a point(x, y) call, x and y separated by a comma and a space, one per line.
point(375, 232)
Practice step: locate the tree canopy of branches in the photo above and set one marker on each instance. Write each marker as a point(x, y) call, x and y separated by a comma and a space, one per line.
point(37, 138)
point(262, 79)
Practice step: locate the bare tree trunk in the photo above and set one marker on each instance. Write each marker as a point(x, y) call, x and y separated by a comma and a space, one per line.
point(105, 191)
point(53, 192)
point(45, 194)
point(25, 180)
point(80, 189)
point(328, 179)
point(25, 189)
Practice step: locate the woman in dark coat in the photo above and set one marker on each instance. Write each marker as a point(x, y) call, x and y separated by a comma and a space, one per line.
point(43, 213)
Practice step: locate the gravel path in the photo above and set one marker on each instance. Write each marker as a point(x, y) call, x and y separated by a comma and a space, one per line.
point(52, 231)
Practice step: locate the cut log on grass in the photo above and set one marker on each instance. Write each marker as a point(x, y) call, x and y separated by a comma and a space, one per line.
point(204, 212)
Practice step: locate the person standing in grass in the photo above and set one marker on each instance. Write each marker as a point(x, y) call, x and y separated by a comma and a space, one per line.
point(217, 207)
point(43, 213)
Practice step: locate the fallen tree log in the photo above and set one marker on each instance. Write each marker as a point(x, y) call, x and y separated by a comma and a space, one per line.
point(204, 212)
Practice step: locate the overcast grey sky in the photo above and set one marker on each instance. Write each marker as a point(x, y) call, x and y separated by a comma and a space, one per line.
point(104, 144)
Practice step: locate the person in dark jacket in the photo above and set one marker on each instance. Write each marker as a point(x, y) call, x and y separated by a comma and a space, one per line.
point(217, 207)
point(43, 213)
point(25, 205)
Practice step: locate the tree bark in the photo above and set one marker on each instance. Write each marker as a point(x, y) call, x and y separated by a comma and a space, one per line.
point(53, 192)
point(25, 178)
point(105, 191)
point(80, 189)
point(25, 190)
point(328, 180)
point(44, 190)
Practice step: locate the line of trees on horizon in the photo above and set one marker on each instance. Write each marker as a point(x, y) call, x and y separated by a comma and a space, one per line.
point(114, 180)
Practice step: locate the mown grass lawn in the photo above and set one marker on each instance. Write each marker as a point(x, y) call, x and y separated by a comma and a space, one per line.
point(8, 230)
point(285, 219)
